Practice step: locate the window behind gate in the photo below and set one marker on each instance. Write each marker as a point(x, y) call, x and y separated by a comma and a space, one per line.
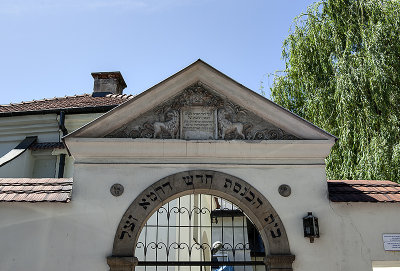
point(200, 232)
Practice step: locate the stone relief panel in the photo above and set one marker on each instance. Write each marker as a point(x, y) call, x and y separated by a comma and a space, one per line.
point(199, 113)
point(198, 122)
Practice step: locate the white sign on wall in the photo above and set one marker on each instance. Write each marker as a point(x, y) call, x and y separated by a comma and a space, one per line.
point(391, 242)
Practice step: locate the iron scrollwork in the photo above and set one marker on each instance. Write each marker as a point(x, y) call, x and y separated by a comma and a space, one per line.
point(164, 238)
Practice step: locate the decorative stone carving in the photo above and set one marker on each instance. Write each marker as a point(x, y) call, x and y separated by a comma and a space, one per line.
point(171, 126)
point(199, 113)
point(197, 95)
point(273, 134)
point(226, 126)
point(198, 122)
point(284, 190)
point(117, 189)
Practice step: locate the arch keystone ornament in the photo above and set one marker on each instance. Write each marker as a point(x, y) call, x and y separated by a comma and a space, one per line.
point(239, 192)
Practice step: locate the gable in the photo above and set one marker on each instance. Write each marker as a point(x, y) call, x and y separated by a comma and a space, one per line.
point(201, 103)
point(199, 113)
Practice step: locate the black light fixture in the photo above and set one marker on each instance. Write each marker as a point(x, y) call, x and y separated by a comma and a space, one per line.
point(310, 225)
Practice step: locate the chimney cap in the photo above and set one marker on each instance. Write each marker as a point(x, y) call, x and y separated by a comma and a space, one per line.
point(110, 75)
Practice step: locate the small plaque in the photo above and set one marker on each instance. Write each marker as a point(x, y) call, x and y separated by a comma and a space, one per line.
point(391, 242)
point(199, 123)
point(117, 189)
point(284, 190)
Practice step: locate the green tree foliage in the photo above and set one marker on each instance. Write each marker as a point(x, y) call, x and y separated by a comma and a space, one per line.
point(343, 74)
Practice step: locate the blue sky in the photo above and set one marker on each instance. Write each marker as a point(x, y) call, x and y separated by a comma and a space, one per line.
point(49, 48)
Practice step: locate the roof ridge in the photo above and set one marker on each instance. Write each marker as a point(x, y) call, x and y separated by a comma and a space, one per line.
point(376, 181)
point(73, 104)
point(46, 99)
point(124, 96)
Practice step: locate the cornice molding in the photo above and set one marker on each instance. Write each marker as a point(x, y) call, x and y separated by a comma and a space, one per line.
point(122, 150)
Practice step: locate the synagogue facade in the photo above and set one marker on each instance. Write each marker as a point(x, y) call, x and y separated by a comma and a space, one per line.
point(196, 173)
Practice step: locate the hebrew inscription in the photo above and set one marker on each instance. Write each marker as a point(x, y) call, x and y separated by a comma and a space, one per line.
point(161, 187)
point(246, 193)
point(239, 188)
point(188, 179)
point(128, 227)
point(243, 194)
point(199, 113)
point(198, 123)
point(276, 231)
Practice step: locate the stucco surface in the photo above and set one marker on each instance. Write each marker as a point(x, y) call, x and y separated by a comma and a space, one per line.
point(79, 235)
point(39, 163)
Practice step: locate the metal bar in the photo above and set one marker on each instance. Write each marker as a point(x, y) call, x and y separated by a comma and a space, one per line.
point(233, 235)
point(222, 228)
point(187, 226)
point(200, 233)
point(179, 233)
point(157, 238)
point(145, 245)
point(228, 214)
point(244, 238)
point(190, 224)
point(199, 263)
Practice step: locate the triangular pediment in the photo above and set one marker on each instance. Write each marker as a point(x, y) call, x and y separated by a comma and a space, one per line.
point(201, 103)
point(199, 113)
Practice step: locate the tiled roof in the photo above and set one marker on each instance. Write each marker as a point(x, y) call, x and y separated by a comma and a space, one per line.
point(46, 146)
point(67, 102)
point(35, 190)
point(363, 191)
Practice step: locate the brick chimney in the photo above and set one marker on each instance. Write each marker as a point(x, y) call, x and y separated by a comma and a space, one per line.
point(107, 83)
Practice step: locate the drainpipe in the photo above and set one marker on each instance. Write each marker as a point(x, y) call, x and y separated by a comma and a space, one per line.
point(61, 123)
point(64, 130)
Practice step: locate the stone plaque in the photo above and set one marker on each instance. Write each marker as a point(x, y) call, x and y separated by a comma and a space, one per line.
point(117, 189)
point(198, 123)
point(284, 190)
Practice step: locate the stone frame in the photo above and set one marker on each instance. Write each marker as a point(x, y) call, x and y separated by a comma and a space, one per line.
point(239, 192)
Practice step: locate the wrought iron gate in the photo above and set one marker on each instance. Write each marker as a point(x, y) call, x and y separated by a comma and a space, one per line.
point(200, 232)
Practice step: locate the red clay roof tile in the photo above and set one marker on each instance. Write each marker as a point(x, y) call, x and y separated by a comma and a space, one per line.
point(363, 191)
point(35, 190)
point(67, 102)
point(46, 146)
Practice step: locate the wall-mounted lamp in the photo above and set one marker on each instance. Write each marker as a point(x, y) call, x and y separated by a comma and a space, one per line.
point(310, 225)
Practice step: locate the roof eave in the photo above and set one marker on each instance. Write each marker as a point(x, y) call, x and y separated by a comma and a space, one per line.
point(71, 110)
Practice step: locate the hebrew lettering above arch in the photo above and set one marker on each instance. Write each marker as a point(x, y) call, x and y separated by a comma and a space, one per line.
point(236, 190)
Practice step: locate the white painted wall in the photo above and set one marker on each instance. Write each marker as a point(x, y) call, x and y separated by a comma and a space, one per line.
point(22, 166)
point(37, 164)
point(79, 235)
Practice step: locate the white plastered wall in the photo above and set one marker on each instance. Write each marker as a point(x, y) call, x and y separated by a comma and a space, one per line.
point(79, 235)
point(40, 163)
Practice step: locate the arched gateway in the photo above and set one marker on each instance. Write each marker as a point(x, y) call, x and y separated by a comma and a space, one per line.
point(256, 207)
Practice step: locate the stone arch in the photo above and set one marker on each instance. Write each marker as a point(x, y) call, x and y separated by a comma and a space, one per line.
point(236, 190)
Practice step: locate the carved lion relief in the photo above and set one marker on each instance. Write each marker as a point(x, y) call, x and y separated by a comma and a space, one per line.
point(226, 126)
point(170, 126)
point(200, 113)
